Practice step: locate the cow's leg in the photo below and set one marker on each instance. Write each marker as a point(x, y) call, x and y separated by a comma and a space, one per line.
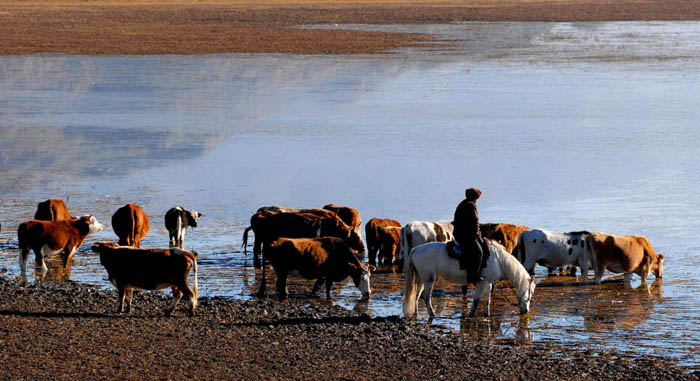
point(181, 238)
point(188, 293)
point(317, 285)
point(263, 284)
point(583, 264)
point(121, 288)
point(628, 279)
point(173, 241)
point(329, 284)
point(487, 300)
point(428, 295)
point(23, 254)
point(177, 295)
point(372, 254)
point(282, 285)
point(257, 249)
point(39, 254)
point(550, 271)
point(129, 291)
point(599, 269)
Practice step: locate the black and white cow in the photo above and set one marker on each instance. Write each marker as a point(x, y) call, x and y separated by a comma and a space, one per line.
point(177, 220)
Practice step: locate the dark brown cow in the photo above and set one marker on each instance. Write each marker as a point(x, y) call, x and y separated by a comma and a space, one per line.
point(268, 225)
point(372, 233)
point(131, 224)
point(505, 234)
point(52, 237)
point(149, 269)
point(624, 254)
point(389, 240)
point(51, 210)
point(326, 259)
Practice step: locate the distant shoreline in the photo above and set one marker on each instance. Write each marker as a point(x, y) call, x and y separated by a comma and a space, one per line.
point(269, 26)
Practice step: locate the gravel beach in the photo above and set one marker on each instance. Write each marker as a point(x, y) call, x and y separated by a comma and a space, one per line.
point(69, 330)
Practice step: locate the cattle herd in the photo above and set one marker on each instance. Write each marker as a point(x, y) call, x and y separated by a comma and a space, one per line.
point(323, 244)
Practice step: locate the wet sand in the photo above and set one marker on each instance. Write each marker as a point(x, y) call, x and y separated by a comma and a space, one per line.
point(270, 26)
point(69, 330)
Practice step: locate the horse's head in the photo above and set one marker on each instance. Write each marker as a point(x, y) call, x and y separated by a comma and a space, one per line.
point(526, 297)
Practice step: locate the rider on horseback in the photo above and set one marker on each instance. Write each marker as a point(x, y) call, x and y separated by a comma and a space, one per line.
point(468, 242)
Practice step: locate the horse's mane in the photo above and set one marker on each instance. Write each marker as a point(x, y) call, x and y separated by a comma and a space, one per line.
point(511, 267)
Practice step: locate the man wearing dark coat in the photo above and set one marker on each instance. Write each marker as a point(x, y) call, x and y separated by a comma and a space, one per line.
point(468, 236)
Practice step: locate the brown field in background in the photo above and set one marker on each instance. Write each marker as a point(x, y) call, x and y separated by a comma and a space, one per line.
point(268, 26)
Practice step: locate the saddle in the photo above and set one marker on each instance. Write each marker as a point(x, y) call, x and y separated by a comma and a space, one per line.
point(458, 252)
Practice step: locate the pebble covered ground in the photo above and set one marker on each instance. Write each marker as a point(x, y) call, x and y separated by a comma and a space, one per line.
point(70, 330)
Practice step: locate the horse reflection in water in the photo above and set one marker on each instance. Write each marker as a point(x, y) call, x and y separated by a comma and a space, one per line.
point(495, 328)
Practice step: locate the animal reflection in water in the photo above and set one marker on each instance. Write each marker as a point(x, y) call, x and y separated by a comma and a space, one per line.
point(626, 308)
point(426, 262)
point(495, 328)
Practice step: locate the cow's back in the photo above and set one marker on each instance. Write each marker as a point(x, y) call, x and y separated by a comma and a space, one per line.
point(146, 268)
point(349, 215)
point(52, 210)
point(627, 252)
point(131, 224)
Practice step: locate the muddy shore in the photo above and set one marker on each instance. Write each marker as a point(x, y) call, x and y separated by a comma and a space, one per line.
point(270, 26)
point(69, 330)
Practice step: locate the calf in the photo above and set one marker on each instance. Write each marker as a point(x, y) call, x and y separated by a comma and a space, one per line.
point(131, 224)
point(51, 237)
point(177, 220)
point(149, 269)
point(624, 254)
point(326, 259)
point(52, 210)
point(374, 243)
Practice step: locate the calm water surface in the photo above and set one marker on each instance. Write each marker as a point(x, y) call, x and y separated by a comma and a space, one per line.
point(563, 126)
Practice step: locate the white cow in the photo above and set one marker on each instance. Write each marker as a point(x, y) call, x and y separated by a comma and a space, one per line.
point(553, 249)
point(416, 233)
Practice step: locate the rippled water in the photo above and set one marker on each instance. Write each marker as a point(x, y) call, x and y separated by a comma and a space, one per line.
point(563, 126)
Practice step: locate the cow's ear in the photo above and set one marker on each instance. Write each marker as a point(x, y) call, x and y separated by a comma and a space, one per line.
point(199, 215)
point(95, 247)
point(661, 257)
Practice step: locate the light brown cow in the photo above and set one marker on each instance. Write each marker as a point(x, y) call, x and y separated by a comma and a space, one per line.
point(52, 237)
point(624, 254)
point(372, 236)
point(149, 269)
point(51, 210)
point(505, 234)
point(131, 224)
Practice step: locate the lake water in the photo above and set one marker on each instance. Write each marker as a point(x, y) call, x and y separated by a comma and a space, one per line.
point(564, 126)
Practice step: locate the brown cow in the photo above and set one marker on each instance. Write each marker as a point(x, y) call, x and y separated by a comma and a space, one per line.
point(131, 224)
point(51, 237)
point(372, 236)
point(326, 259)
point(624, 254)
point(149, 269)
point(389, 240)
point(51, 210)
point(505, 234)
point(350, 216)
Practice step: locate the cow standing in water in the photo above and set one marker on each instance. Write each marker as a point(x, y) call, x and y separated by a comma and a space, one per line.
point(177, 219)
point(378, 238)
point(416, 233)
point(52, 210)
point(52, 237)
point(131, 224)
point(326, 259)
point(626, 254)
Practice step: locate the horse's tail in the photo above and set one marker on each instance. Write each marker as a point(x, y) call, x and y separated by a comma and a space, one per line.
point(410, 287)
point(245, 239)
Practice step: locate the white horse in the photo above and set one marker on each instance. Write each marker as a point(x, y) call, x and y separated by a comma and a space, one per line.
point(553, 249)
point(426, 262)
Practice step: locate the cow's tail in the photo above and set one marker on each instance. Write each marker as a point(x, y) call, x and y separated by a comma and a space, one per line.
point(403, 243)
point(194, 280)
point(410, 295)
point(245, 240)
point(133, 229)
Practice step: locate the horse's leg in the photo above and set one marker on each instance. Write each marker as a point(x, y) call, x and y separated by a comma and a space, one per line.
point(487, 300)
point(428, 294)
point(478, 293)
